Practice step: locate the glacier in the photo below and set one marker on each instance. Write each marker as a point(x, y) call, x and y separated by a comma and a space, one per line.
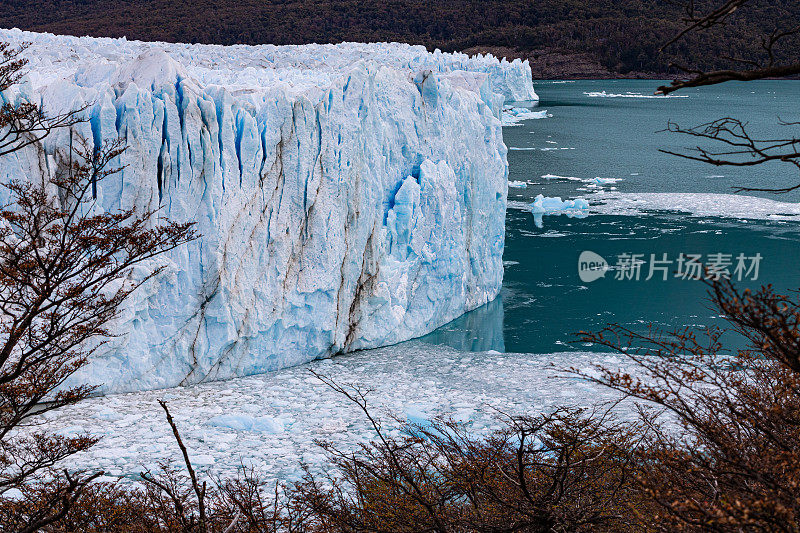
point(349, 196)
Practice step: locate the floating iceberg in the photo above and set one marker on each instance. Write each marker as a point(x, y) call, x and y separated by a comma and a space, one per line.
point(348, 196)
point(513, 116)
point(599, 182)
point(546, 205)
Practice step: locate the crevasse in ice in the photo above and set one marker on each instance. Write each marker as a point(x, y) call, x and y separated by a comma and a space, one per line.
point(348, 196)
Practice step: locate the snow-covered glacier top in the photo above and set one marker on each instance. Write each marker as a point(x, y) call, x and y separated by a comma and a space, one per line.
point(299, 68)
point(348, 196)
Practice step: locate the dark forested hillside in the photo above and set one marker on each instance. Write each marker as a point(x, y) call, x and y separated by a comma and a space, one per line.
point(563, 38)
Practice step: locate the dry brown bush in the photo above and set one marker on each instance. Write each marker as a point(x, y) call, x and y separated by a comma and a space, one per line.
point(64, 273)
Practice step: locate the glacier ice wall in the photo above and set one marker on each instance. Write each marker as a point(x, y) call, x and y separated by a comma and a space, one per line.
point(348, 196)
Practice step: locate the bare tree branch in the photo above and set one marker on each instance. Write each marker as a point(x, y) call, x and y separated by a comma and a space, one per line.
point(740, 149)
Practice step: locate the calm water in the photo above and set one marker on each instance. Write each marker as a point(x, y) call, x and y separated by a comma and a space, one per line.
point(591, 134)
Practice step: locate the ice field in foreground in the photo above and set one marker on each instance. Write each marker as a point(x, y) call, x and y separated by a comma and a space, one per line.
point(271, 421)
point(349, 196)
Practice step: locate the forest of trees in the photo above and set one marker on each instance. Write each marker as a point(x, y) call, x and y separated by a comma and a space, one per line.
point(617, 37)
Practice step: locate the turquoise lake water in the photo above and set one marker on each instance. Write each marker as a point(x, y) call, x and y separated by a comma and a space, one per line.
point(611, 130)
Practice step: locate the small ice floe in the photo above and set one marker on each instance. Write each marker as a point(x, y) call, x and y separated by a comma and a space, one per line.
point(258, 424)
point(557, 177)
point(513, 116)
point(546, 205)
point(518, 184)
point(554, 204)
point(72, 431)
point(591, 182)
point(204, 459)
point(13, 494)
point(336, 425)
point(628, 94)
point(599, 182)
point(106, 413)
point(418, 416)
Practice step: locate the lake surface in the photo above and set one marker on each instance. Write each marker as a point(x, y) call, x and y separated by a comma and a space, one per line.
point(612, 130)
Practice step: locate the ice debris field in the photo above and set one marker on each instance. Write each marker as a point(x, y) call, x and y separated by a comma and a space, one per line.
point(603, 198)
point(349, 196)
point(731, 206)
point(271, 421)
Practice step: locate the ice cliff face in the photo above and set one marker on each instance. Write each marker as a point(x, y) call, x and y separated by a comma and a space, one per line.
point(348, 196)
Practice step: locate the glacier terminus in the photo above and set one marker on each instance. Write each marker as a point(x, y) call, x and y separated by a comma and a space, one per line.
point(348, 196)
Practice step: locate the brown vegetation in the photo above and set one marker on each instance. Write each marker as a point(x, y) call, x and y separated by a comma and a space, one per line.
point(605, 37)
point(730, 458)
point(64, 273)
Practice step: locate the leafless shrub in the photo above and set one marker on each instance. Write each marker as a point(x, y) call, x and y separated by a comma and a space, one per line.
point(65, 270)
